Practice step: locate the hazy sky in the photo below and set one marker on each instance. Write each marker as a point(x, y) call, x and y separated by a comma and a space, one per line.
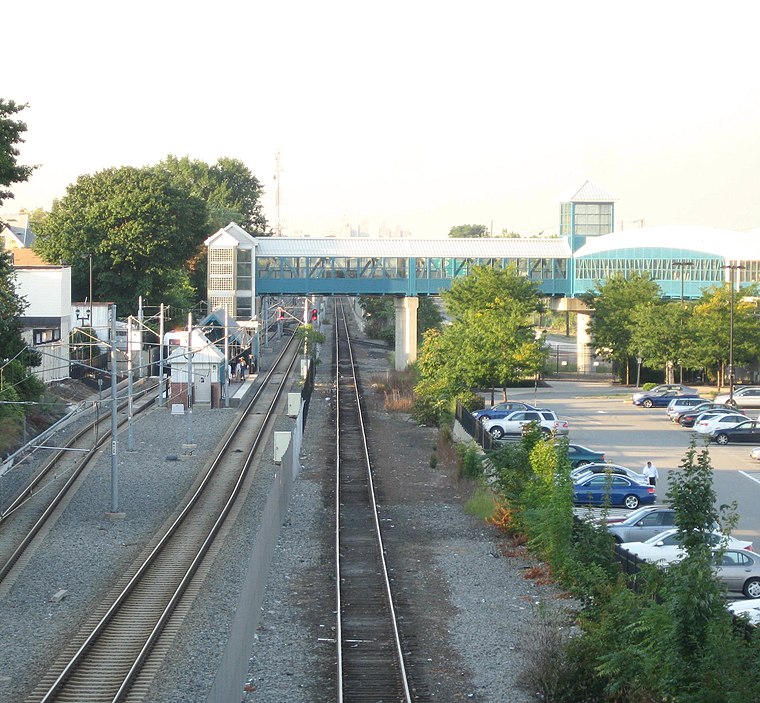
point(420, 114)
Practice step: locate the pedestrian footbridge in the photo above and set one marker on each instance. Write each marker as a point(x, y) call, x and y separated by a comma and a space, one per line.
point(243, 269)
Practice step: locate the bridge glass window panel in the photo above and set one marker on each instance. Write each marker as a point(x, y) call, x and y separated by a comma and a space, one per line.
point(565, 219)
point(461, 267)
point(267, 267)
point(435, 267)
point(750, 273)
point(317, 267)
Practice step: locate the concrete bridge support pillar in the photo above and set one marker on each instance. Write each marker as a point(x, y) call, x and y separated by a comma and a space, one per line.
point(583, 344)
point(406, 331)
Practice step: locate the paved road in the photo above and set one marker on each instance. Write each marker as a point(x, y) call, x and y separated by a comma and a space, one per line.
point(603, 418)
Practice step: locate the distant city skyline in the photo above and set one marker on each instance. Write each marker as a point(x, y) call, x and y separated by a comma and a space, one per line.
point(417, 115)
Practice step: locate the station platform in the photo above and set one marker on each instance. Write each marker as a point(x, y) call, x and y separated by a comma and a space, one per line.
point(241, 391)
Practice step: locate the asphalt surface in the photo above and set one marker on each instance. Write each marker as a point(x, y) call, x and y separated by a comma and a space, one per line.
point(602, 417)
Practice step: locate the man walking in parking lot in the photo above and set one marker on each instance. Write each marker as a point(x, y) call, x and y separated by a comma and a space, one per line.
point(650, 471)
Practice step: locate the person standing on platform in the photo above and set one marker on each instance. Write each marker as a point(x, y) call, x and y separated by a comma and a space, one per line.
point(238, 370)
point(650, 471)
point(243, 369)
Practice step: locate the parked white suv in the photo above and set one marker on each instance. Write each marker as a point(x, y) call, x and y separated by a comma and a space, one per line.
point(513, 423)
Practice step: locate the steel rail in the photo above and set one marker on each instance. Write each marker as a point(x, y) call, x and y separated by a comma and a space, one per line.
point(29, 490)
point(130, 670)
point(378, 545)
point(22, 545)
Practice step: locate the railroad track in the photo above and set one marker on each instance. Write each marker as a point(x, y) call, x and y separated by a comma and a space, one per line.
point(32, 508)
point(117, 652)
point(370, 659)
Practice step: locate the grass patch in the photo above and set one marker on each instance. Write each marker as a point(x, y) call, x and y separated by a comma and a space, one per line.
point(397, 402)
point(482, 503)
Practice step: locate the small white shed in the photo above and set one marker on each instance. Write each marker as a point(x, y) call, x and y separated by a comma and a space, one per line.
point(206, 367)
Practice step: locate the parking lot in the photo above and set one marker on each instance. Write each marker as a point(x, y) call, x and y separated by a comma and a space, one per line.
point(602, 417)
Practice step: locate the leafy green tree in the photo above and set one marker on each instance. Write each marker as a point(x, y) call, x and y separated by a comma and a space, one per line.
point(612, 324)
point(710, 327)
point(661, 335)
point(468, 231)
point(694, 597)
point(229, 189)
point(490, 341)
point(140, 228)
point(231, 194)
point(11, 131)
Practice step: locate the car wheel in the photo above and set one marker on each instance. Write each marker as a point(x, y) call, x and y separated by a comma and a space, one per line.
point(721, 438)
point(631, 502)
point(647, 403)
point(545, 432)
point(582, 462)
point(497, 432)
point(732, 403)
point(752, 588)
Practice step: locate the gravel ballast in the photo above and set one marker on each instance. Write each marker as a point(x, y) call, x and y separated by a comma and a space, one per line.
point(466, 610)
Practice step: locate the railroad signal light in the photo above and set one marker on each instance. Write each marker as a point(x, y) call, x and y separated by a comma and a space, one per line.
point(314, 315)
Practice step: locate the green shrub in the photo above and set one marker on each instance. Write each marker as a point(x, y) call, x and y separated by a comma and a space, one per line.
point(648, 386)
point(470, 463)
point(431, 411)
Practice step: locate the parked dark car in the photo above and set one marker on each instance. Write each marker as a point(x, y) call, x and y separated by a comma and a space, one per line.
point(661, 399)
point(598, 489)
point(580, 455)
point(748, 431)
point(500, 410)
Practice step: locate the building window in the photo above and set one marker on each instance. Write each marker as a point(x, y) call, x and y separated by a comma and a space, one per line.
point(43, 336)
point(243, 307)
point(593, 218)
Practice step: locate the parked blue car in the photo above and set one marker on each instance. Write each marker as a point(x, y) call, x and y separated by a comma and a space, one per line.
point(661, 399)
point(598, 489)
point(501, 410)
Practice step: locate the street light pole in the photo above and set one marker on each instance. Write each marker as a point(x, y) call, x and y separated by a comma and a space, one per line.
point(92, 310)
point(731, 374)
point(681, 265)
point(731, 338)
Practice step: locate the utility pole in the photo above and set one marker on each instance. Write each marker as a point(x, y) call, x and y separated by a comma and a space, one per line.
point(130, 436)
point(226, 361)
point(114, 424)
point(189, 443)
point(731, 373)
point(161, 357)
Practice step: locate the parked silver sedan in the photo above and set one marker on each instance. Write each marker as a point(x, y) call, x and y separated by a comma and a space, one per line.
point(642, 524)
point(739, 570)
